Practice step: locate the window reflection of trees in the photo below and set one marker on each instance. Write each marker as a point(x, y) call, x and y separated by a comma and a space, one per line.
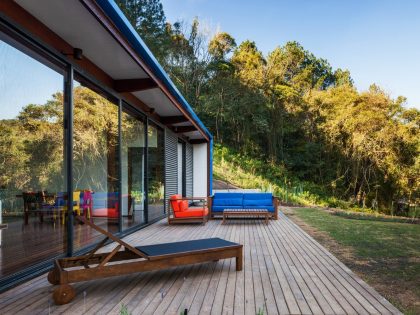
point(95, 136)
point(31, 150)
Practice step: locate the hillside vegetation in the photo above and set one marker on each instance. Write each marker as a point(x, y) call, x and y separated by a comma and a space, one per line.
point(251, 173)
point(293, 120)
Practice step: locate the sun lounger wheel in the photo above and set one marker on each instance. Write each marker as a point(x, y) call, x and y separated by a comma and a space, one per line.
point(63, 294)
point(52, 277)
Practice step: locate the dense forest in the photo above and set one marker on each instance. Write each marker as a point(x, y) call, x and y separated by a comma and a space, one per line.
point(291, 110)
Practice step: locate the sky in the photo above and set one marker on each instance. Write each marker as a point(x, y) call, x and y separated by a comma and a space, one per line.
point(377, 40)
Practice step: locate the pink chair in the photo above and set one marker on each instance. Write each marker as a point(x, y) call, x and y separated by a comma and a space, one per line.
point(87, 203)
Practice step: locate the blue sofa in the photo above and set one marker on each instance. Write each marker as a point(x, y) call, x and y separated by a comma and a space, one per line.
point(221, 201)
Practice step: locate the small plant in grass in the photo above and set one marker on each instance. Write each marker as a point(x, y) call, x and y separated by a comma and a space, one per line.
point(260, 311)
point(124, 310)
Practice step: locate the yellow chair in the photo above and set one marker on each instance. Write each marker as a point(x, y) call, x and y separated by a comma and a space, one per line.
point(76, 206)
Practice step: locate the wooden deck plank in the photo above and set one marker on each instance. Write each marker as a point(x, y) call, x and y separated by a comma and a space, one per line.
point(221, 286)
point(210, 293)
point(266, 271)
point(322, 295)
point(209, 301)
point(369, 293)
point(346, 300)
point(249, 284)
point(256, 274)
point(285, 271)
point(229, 300)
point(287, 294)
point(343, 279)
point(301, 292)
point(239, 303)
point(207, 272)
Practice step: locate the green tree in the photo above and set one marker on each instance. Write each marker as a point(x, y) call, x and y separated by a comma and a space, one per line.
point(148, 19)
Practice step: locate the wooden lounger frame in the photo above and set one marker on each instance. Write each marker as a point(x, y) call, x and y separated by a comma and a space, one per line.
point(96, 266)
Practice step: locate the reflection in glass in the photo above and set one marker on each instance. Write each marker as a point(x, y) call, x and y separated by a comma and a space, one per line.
point(32, 176)
point(133, 156)
point(156, 167)
point(95, 162)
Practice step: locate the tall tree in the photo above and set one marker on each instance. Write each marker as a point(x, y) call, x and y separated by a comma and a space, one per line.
point(148, 19)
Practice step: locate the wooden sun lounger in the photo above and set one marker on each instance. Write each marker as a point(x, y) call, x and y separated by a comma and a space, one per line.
point(134, 259)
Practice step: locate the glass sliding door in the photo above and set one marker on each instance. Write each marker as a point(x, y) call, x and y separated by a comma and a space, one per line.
point(156, 172)
point(95, 161)
point(32, 170)
point(133, 152)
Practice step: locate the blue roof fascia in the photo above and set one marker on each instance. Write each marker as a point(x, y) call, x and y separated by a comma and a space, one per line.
point(118, 18)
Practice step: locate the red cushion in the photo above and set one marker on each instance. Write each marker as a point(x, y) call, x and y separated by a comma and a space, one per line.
point(192, 212)
point(175, 202)
point(183, 205)
point(105, 212)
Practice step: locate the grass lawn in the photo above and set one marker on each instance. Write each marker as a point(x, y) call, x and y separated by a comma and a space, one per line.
point(384, 254)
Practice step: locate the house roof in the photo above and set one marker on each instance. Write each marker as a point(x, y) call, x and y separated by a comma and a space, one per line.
point(108, 40)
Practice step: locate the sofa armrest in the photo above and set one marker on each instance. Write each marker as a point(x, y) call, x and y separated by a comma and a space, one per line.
point(276, 203)
point(210, 205)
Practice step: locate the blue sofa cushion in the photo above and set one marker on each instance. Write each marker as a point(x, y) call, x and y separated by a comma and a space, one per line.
point(258, 196)
point(228, 195)
point(258, 199)
point(227, 199)
point(104, 199)
point(257, 202)
point(221, 208)
point(227, 202)
point(269, 208)
point(222, 201)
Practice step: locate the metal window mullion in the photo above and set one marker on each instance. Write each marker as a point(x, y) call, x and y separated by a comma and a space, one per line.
point(69, 112)
point(120, 199)
point(146, 173)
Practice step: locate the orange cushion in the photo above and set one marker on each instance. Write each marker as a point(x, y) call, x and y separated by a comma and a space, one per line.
point(192, 212)
point(183, 205)
point(174, 202)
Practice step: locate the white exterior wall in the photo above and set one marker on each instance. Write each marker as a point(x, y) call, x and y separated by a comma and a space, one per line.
point(200, 169)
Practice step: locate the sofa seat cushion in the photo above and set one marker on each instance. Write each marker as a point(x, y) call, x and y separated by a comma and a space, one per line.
point(257, 202)
point(192, 212)
point(269, 208)
point(227, 202)
point(221, 208)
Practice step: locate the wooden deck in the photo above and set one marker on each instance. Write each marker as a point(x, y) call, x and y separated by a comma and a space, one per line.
point(285, 272)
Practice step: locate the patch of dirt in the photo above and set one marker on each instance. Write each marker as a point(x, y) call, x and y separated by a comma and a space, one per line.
point(219, 184)
point(401, 292)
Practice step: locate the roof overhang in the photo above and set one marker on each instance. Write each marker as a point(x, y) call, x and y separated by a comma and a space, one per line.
point(109, 41)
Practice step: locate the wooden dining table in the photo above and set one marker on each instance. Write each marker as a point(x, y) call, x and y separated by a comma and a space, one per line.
point(41, 208)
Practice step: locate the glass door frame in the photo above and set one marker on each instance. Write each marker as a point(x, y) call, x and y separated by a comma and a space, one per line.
point(72, 70)
point(138, 115)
